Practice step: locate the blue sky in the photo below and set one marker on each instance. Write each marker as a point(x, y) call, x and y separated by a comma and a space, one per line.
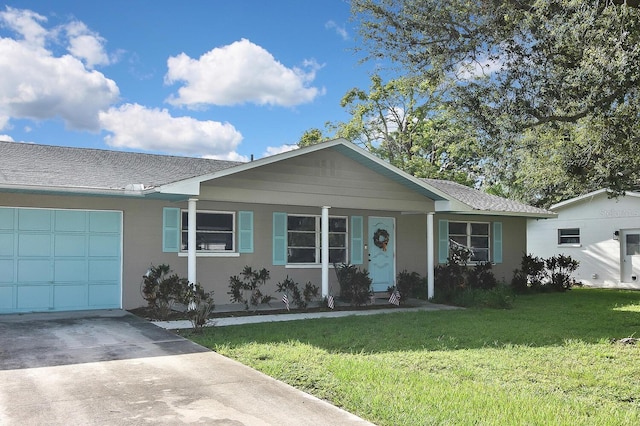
point(220, 79)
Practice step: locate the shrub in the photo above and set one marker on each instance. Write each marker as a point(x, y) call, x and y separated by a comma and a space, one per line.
point(162, 289)
point(539, 275)
point(481, 277)
point(299, 299)
point(408, 284)
point(199, 305)
point(355, 284)
point(560, 268)
point(499, 297)
point(250, 283)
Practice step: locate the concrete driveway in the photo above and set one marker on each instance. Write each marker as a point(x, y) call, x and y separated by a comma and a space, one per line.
point(110, 367)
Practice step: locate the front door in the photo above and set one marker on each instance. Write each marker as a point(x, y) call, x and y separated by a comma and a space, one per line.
point(382, 259)
point(630, 255)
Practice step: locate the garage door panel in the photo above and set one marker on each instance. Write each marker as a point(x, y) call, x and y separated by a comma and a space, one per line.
point(104, 295)
point(70, 245)
point(104, 222)
point(6, 218)
point(70, 221)
point(70, 271)
point(104, 245)
point(34, 245)
point(6, 244)
point(36, 297)
point(6, 297)
point(34, 220)
point(70, 296)
point(6, 266)
point(104, 270)
point(33, 271)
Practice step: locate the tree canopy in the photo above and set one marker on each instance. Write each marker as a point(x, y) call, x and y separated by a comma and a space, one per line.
point(538, 79)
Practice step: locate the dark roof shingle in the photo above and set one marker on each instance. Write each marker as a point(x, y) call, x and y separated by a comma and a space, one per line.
point(482, 201)
point(24, 164)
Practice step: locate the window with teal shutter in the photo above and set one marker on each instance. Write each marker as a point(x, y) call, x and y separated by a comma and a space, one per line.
point(357, 240)
point(443, 241)
point(279, 238)
point(497, 242)
point(171, 229)
point(245, 232)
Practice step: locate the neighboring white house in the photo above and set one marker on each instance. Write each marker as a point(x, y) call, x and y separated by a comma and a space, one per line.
point(602, 233)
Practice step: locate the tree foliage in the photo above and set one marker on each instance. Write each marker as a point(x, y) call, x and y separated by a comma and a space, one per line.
point(405, 122)
point(527, 68)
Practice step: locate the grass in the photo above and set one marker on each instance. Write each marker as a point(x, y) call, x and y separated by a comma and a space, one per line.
point(549, 360)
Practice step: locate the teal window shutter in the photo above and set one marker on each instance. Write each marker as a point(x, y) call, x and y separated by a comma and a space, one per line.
point(443, 241)
point(357, 240)
point(497, 242)
point(171, 230)
point(245, 232)
point(279, 238)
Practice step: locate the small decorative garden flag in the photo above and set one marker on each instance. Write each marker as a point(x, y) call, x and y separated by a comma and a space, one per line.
point(285, 299)
point(395, 297)
point(330, 302)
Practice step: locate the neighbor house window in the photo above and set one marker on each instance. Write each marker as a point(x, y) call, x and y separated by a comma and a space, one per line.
point(304, 239)
point(473, 235)
point(214, 231)
point(569, 236)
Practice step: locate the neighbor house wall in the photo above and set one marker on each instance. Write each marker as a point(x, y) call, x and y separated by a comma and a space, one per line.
point(597, 217)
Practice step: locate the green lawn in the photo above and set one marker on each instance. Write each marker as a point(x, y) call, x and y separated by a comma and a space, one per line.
point(549, 360)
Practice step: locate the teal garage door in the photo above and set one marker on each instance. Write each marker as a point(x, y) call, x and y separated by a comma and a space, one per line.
point(59, 260)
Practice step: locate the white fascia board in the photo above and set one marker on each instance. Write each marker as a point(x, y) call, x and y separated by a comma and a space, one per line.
point(581, 198)
point(184, 187)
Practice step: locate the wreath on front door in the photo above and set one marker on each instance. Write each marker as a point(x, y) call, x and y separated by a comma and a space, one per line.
point(381, 239)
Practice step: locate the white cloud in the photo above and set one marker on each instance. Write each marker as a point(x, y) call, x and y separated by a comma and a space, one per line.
point(136, 127)
point(35, 84)
point(340, 30)
point(26, 24)
point(6, 138)
point(230, 156)
point(86, 45)
point(273, 150)
point(238, 73)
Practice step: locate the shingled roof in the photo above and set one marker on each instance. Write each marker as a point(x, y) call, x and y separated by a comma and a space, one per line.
point(30, 165)
point(482, 201)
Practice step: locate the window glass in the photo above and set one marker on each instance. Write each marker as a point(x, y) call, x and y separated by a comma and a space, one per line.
point(569, 236)
point(473, 235)
point(304, 239)
point(457, 228)
point(214, 231)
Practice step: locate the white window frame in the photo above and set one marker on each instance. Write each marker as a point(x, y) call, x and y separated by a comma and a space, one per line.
point(469, 235)
point(318, 240)
point(567, 236)
point(211, 252)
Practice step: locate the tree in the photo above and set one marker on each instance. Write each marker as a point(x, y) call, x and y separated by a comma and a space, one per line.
point(404, 122)
point(522, 65)
point(311, 137)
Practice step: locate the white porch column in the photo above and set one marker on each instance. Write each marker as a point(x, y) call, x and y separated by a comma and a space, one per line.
point(191, 242)
point(430, 255)
point(324, 222)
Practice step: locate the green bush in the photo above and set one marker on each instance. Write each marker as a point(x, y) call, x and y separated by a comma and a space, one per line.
point(408, 284)
point(250, 284)
point(297, 298)
point(499, 297)
point(481, 277)
point(199, 305)
point(162, 289)
point(355, 284)
point(541, 275)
